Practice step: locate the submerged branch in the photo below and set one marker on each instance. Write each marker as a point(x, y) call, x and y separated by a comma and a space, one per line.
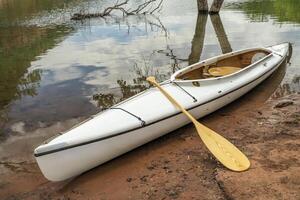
point(121, 7)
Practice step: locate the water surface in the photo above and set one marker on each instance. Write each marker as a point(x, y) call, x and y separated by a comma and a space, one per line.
point(53, 69)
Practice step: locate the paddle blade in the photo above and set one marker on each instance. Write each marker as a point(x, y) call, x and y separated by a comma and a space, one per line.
point(230, 156)
point(221, 148)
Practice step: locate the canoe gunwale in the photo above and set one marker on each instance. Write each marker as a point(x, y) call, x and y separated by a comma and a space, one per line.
point(205, 62)
point(38, 154)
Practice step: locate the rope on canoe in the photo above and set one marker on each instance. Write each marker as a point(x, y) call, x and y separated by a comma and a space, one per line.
point(195, 100)
point(143, 123)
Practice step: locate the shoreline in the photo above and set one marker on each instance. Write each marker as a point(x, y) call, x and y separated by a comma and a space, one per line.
point(177, 166)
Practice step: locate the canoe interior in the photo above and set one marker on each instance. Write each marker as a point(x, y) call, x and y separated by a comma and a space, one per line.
point(224, 66)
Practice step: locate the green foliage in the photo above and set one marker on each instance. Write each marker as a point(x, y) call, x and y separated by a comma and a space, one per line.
point(15, 11)
point(260, 10)
point(18, 47)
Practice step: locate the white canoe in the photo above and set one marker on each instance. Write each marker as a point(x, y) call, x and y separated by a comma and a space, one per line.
point(149, 115)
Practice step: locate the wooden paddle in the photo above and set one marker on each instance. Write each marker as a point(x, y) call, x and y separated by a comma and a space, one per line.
point(229, 155)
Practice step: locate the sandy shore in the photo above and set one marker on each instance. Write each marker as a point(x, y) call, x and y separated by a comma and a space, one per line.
point(178, 166)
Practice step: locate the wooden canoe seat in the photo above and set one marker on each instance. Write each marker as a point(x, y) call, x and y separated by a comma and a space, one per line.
point(222, 71)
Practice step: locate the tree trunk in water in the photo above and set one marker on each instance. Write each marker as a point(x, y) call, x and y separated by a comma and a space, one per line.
point(216, 6)
point(220, 32)
point(198, 39)
point(202, 6)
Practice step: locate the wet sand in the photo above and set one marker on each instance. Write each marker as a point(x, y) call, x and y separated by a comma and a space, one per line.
point(178, 166)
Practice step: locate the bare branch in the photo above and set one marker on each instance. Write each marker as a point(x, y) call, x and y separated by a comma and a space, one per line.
point(142, 6)
point(122, 8)
point(160, 25)
point(158, 6)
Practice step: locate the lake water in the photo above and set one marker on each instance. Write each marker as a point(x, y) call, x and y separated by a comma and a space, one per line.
point(53, 69)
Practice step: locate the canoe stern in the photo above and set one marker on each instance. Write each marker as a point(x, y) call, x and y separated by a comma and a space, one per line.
point(281, 49)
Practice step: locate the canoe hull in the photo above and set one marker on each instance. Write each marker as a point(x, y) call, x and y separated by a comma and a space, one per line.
point(70, 162)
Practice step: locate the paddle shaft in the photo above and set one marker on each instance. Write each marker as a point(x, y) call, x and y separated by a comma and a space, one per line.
point(174, 102)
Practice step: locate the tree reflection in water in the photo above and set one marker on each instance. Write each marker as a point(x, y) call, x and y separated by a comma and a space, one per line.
point(198, 39)
point(16, 56)
point(138, 84)
point(29, 83)
point(126, 89)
